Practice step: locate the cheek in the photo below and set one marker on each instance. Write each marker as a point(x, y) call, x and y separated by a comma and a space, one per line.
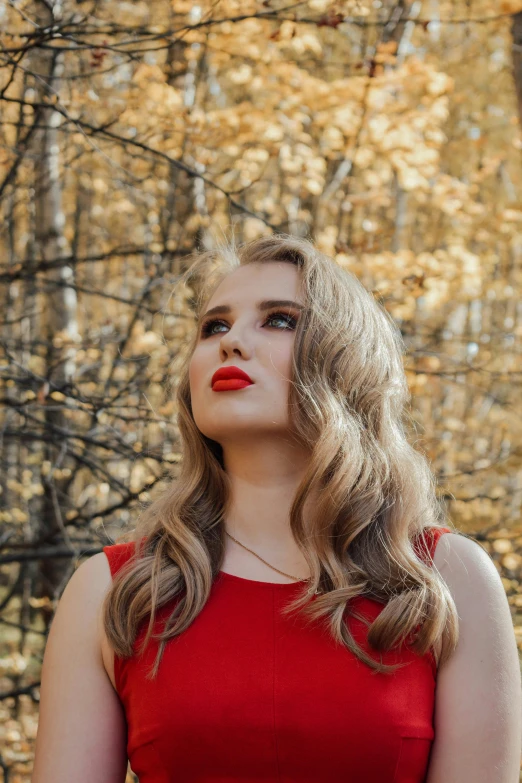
point(201, 367)
point(281, 358)
point(195, 374)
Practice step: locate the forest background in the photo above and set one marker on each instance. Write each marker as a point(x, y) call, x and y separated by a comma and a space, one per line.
point(389, 132)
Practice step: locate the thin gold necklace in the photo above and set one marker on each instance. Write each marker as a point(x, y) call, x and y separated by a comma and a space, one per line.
point(298, 579)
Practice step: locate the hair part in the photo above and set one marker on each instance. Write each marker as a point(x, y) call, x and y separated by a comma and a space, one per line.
point(347, 401)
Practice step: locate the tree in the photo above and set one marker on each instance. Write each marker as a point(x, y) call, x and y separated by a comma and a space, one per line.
point(132, 133)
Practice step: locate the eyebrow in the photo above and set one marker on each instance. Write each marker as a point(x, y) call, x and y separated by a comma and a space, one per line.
point(266, 304)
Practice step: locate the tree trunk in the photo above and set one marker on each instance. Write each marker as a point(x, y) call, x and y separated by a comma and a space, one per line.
point(516, 31)
point(57, 308)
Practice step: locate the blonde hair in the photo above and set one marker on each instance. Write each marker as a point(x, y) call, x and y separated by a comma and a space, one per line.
point(376, 493)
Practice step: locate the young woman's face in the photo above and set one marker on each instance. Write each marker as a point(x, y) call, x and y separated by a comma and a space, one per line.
point(256, 339)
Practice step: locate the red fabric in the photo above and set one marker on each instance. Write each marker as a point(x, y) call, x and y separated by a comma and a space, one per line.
point(247, 695)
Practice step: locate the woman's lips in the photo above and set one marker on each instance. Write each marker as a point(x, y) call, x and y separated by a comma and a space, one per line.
point(229, 378)
point(230, 384)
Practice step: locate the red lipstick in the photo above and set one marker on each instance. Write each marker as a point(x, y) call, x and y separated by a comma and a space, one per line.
point(230, 378)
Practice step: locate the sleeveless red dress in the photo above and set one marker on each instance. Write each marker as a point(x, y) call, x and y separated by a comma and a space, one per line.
point(247, 695)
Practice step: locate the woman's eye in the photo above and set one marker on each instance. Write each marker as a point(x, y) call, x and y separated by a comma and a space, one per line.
point(289, 320)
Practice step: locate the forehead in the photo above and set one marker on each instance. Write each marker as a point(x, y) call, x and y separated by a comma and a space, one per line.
point(253, 281)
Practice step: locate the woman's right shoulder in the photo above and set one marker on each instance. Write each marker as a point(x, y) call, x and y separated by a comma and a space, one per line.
point(85, 593)
point(78, 697)
point(93, 578)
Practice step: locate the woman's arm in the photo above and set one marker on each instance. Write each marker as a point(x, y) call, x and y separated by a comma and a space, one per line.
point(81, 729)
point(478, 703)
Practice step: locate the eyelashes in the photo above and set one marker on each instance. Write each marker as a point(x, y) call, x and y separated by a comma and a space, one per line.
point(206, 329)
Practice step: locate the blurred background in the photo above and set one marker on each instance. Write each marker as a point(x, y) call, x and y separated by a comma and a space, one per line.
point(131, 134)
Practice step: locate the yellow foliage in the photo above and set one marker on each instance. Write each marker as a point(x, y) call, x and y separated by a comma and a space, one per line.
point(402, 157)
point(510, 6)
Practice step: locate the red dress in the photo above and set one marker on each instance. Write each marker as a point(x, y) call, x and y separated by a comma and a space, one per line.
point(247, 695)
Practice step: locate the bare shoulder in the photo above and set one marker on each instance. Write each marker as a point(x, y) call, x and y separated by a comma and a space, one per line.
point(82, 724)
point(472, 578)
point(478, 701)
point(95, 572)
point(98, 580)
point(462, 560)
point(477, 589)
point(90, 583)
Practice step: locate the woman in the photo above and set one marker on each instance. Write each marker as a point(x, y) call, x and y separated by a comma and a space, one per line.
point(293, 608)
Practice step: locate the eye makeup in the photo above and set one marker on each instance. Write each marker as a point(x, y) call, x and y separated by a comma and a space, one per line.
point(207, 325)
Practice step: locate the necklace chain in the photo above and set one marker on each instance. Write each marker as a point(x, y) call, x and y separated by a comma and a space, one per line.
point(298, 579)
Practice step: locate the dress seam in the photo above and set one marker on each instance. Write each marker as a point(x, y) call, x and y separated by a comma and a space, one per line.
point(278, 773)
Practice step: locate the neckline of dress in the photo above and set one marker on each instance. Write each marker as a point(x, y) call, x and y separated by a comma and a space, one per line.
point(259, 582)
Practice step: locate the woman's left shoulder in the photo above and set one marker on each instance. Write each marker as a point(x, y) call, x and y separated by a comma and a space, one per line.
point(471, 576)
point(462, 560)
point(478, 696)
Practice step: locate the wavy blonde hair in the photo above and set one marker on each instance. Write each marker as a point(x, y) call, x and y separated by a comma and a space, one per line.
point(347, 401)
